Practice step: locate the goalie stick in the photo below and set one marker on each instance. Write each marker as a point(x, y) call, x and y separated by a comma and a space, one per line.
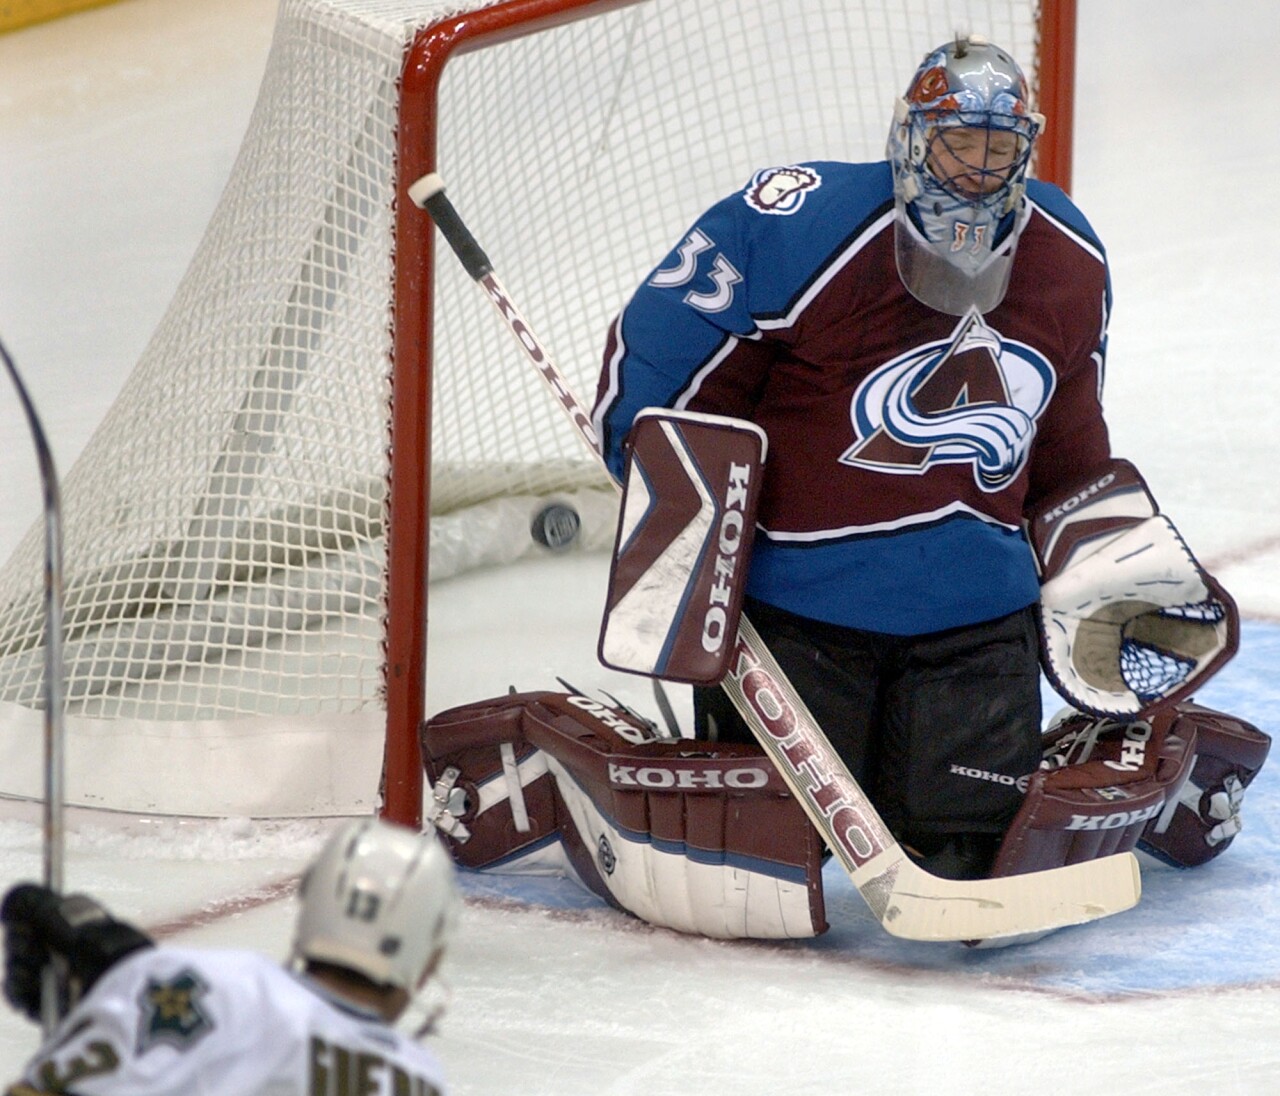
point(54, 842)
point(908, 901)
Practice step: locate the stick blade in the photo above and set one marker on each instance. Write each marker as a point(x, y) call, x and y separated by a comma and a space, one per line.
point(914, 905)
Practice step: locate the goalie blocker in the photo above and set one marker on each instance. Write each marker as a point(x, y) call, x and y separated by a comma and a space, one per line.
point(685, 528)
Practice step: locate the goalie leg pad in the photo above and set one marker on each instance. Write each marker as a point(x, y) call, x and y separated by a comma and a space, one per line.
point(700, 839)
point(1201, 822)
point(1104, 783)
point(492, 797)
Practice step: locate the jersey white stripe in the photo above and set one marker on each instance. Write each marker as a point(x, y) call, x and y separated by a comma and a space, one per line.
point(929, 518)
point(610, 393)
point(682, 401)
point(1067, 230)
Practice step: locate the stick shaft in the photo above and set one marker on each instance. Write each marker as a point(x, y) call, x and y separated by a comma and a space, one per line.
point(54, 838)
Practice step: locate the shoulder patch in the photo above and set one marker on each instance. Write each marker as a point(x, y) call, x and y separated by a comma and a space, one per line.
point(170, 1012)
point(780, 191)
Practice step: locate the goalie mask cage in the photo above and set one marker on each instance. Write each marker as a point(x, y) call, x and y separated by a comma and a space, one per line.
point(247, 533)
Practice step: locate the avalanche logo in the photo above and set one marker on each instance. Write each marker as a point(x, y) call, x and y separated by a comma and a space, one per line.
point(971, 399)
point(780, 190)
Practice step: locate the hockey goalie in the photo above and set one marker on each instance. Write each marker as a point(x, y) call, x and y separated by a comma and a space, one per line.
point(942, 517)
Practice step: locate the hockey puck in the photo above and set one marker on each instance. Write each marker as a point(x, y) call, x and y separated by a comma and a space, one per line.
point(555, 526)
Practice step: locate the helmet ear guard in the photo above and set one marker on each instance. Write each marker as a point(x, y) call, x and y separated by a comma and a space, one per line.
point(905, 183)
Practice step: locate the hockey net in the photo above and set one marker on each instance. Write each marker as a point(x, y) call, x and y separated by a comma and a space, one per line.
point(230, 596)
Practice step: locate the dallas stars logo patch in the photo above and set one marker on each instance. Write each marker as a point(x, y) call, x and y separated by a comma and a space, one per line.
point(171, 1012)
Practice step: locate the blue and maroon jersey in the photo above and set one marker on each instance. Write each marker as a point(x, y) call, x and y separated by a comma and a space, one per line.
point(904, 444)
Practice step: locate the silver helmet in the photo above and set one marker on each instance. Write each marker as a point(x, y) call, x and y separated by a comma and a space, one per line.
point(959, 147)
point(381, 900)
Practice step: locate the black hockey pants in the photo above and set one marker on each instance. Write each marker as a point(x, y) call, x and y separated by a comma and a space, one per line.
point(938, 729)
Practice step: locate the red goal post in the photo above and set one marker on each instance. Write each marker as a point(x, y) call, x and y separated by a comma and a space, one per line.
point(1051, 67)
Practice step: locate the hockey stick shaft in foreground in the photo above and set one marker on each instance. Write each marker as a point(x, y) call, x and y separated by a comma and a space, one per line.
point(54, 738)
point(908, 901)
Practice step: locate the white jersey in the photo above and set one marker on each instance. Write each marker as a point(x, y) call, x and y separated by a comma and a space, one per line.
point(169, 1021)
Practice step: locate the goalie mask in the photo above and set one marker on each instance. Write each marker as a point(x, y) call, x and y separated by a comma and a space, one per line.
point(959, 147)
point(380, 900)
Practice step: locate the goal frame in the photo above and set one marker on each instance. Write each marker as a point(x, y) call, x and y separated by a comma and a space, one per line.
point(409, 487)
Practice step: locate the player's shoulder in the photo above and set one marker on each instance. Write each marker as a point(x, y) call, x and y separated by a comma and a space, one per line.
point(1061, 213)
point(785, 199)
point(215, 962)
point(201, 1004)
point(784, 191)
point(166, 961)
point(790, 221)
point(222, 984)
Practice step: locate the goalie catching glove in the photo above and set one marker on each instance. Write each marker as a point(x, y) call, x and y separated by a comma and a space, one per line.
point(1129, 620)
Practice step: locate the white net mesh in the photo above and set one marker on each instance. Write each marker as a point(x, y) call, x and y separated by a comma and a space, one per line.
point(224, 528)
